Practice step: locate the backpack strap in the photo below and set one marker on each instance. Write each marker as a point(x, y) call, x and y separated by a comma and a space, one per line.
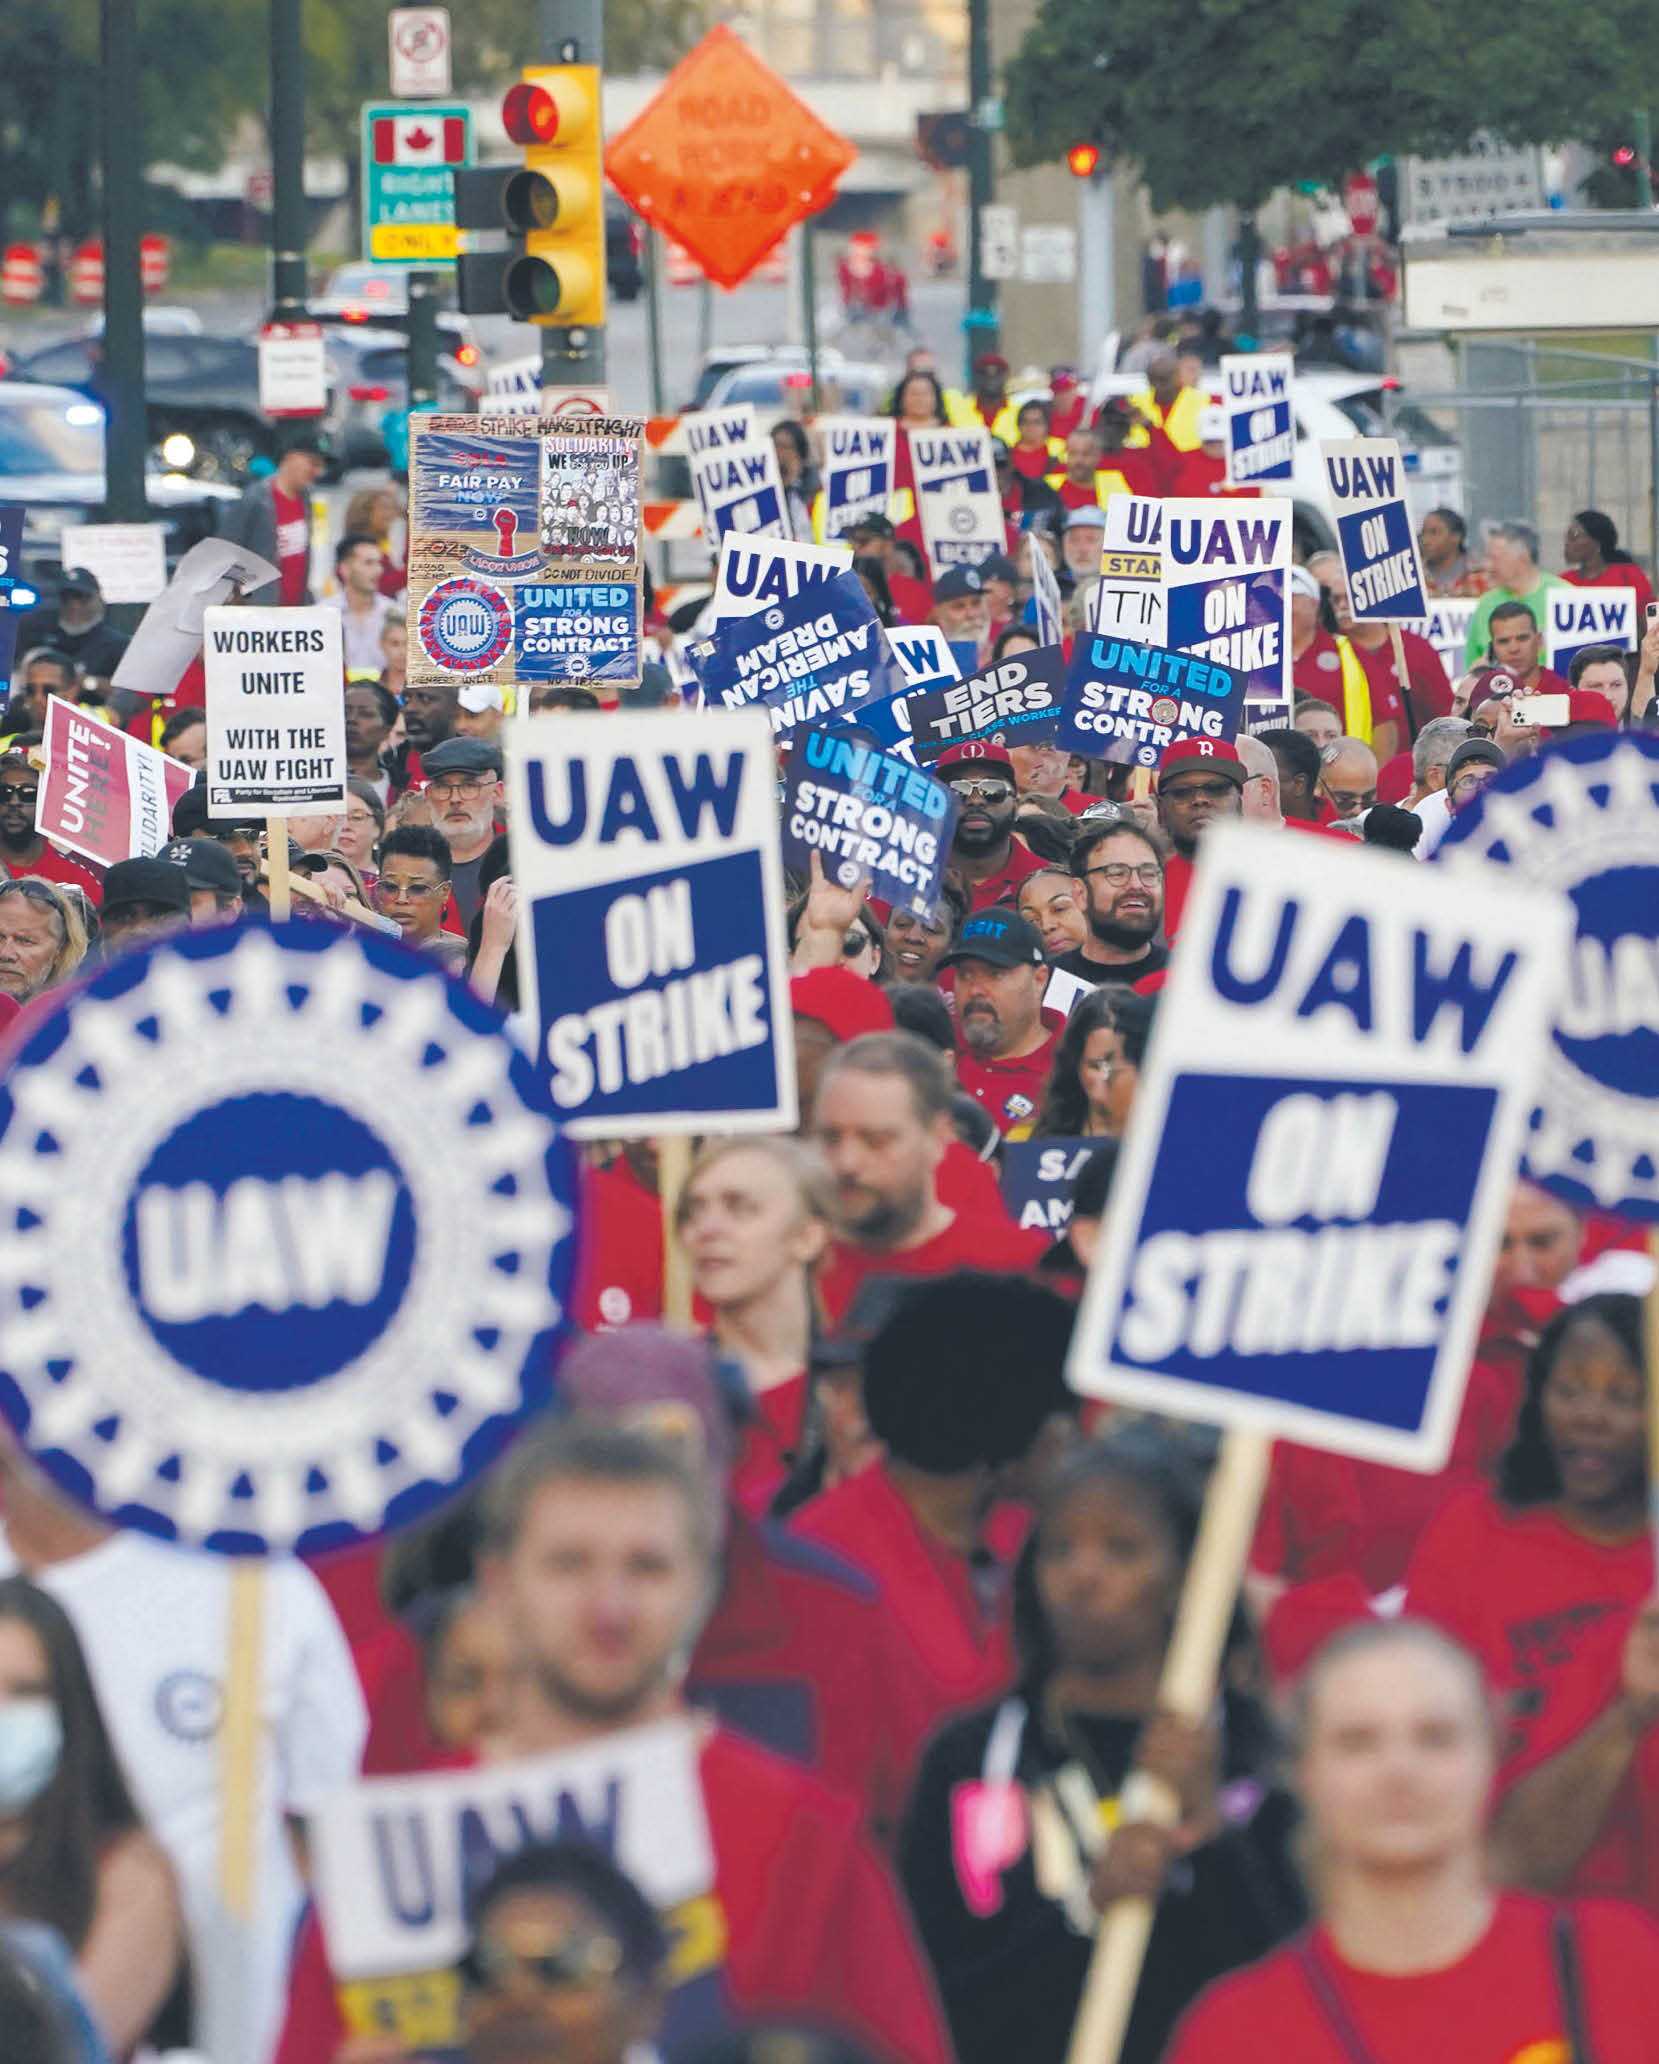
point(1331, 2003)
point(1569, 1976)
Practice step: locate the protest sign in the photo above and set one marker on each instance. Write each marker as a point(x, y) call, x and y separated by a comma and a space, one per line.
point(276, 712)
point(1577, 618)
point(1226, 581)
point(756, 572)
point(1129, 601)
point(1261, 421)
point(292, 1238)
point(169, 635)
point(15, 595)
point(734, 474)
point(1446, 627)
point(128, 560)
point(871, 813)
point(924, 652)
point(398, 1861)
point(1047, 609)
point(650, 943)
point(814, 659)
point(103, 794)
point(1366, 480)
point(1128, 703)
point(857, 469)
point(956, 496)
point(524, 549)
point(1037, 1179)
point(1314, 1181)
point(1582, 819)
point(1016, 702)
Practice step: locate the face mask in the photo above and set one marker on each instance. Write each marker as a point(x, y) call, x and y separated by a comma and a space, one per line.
point(31, 1741)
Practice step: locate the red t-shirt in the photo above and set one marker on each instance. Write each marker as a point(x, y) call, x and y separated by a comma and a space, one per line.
point(1624, 573)
point(1547, 1612)
point(1012, 1089)
point(815, 1929)
point(619, 1273)
point(953, 1624)
point(54, 866)
point(912, 598)
point(293, 546)
point(1004, 886)
point(1498, 2004)
point(966, 1243)
point(1196, 473)
point(1319, 671)
point(1430, 689)
point(769, 1443)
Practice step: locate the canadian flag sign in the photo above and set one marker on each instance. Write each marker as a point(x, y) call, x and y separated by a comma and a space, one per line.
point(418, 139)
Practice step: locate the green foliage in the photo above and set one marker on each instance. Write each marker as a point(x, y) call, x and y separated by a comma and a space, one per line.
point(1227, 100)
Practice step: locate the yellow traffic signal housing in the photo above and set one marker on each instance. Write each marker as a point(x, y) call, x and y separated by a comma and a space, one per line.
point(556, 203)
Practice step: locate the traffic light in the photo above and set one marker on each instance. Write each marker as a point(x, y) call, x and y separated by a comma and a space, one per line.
point(533, 235)
point(1623, 155)
point(1082, 160)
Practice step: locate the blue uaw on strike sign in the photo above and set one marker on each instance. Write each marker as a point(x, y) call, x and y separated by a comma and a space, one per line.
point(288, 1227)
point(1582, 818)
point(1261, 425)
point(818, 658)
point(1313, 1184)
point(1226, 576)
point(650, 944)
point(1366, 479)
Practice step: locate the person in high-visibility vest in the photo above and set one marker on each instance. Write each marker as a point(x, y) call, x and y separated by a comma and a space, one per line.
point(1324, 664)
point(1167, 404)
point(990, 405)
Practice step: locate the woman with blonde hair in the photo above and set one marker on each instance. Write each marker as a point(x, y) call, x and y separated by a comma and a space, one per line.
point(43, 936)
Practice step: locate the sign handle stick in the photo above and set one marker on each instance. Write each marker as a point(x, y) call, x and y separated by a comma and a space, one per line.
point(1650, 1344)
point(673, 1167)
point(1187, 1687)
point(276, 867)
point(239, 1772)
point(1400, 674)
point(1140, 784)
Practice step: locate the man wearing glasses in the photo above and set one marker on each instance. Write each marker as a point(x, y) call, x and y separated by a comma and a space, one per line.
point(985, 851)
point(463, 785)
point(1120, 885)
point(412, 889)
point(22, 849)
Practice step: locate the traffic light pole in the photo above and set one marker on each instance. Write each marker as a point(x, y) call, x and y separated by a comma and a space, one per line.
point(423, 341)
point(288, 226)
point(980, 322)
point(572, 32)
point(125, 429)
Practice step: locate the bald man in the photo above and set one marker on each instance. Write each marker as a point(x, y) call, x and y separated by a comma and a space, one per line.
point(1348, 778)
point(1261, 781)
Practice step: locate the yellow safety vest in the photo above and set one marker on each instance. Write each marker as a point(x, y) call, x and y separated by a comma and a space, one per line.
point(1179, 423)
point(1356, 693)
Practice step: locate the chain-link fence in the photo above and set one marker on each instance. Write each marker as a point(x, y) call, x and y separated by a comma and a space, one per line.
point(1544, 432)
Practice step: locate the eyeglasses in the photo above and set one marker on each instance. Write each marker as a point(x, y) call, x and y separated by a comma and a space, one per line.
point(417, 891)
point(35, 891)
point(361, 816)
point(580, 1960)
point(983, 791)
point(1119, 873)
point(1217, 791)
point(19, 791)
point(1467, 784)
point(447, 787)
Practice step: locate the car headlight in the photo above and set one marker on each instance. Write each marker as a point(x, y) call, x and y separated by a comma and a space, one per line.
point(177, 450)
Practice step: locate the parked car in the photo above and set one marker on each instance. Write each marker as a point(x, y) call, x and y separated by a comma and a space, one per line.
point(52, 461)
point(361, 295)
point(370, 375)
point(782, 386)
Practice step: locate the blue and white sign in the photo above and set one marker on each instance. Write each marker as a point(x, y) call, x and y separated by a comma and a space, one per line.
point(288, 1227)
point(734, 474)
point(1037, 1180)
point(1582, 818)
point(815, 659)
point(1047, 610)
point(1016, 702)
point(1261, 420)
point(956, 496)
point(925, 653)
point(651, 942)
point(1366, 480)
point(1578, 618)
point(1128, 703)
point(1313, 1183)
point(865, 812)
point(576, 631)
point(755, 573)
point(1446, 627)
point(15, 595)
point(857, 469)
point(1226, 571)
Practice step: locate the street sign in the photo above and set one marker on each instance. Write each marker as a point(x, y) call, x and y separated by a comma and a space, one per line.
point(719, 107)
point(293, 369)
point(409, 155)
point(999, 241)
point(1491, 178)
point(418, 46)
point(1048, 253)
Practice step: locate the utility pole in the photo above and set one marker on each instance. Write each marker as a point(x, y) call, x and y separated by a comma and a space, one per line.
point(980, 322)
point(1644, 158)
point(288, 224)
point(572, 32)
point(423, 342)
point(126, 430)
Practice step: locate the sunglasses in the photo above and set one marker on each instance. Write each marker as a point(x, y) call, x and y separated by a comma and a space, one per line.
point(418, 891)
point(19, 791)
point(983, 791)
point(580, 1960)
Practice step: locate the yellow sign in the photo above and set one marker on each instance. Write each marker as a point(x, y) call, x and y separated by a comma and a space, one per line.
point(437, 240)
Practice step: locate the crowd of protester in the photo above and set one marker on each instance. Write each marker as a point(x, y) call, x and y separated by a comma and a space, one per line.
point(919, 1597)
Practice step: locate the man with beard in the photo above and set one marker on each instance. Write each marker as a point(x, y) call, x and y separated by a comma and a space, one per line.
point(1199, 779)
point(428, 719)
point(1001, 974)
point(883, 1121)
point(985, 851)
point(1120, 884)
point(22, 849)
point(463, 785)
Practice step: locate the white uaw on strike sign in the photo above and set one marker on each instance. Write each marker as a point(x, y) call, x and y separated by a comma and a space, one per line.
point(276, 715)
point(287, 1234)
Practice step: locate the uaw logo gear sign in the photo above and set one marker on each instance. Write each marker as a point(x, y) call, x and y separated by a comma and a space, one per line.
point(287, 1239)
point(465, 625)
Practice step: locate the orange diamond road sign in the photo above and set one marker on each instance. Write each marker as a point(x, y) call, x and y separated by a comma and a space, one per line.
point(726, 159)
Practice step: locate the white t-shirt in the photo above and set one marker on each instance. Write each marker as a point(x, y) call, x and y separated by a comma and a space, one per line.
point(1436, 812)
point(152, 1620)
point(360, 632)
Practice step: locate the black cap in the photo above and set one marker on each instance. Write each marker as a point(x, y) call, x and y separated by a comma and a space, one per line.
point(1000, 936)
point(1474, 752)
point(876, 525)
point(206, 864)
point(957, 583)
point(147, 881)
point(190, 818)
point(998, 567)
point(78, 581)
point(463, 756)
point(305, 859)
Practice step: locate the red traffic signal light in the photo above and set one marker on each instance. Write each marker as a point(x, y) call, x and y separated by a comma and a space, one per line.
point(1082, 159)
point(1624, 154)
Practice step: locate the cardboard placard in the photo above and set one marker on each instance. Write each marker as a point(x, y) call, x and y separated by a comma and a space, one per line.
point(104, 794)
point(1577, 618)
point(755, 573)
point(1226, 570)
point(956, 496)
point(1261, 418)
point(1129, 703)
point(857, 469)
point(276, 712)
point(1365, 478)
point(818, 658)
point(1015, 702)
point(734, 475)
point(129, 560)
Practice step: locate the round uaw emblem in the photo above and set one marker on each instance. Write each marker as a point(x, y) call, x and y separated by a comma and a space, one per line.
point(465, 625)
point(289, 1238)
point(1582, 818)
point(1165, 709)
point(963, 519)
